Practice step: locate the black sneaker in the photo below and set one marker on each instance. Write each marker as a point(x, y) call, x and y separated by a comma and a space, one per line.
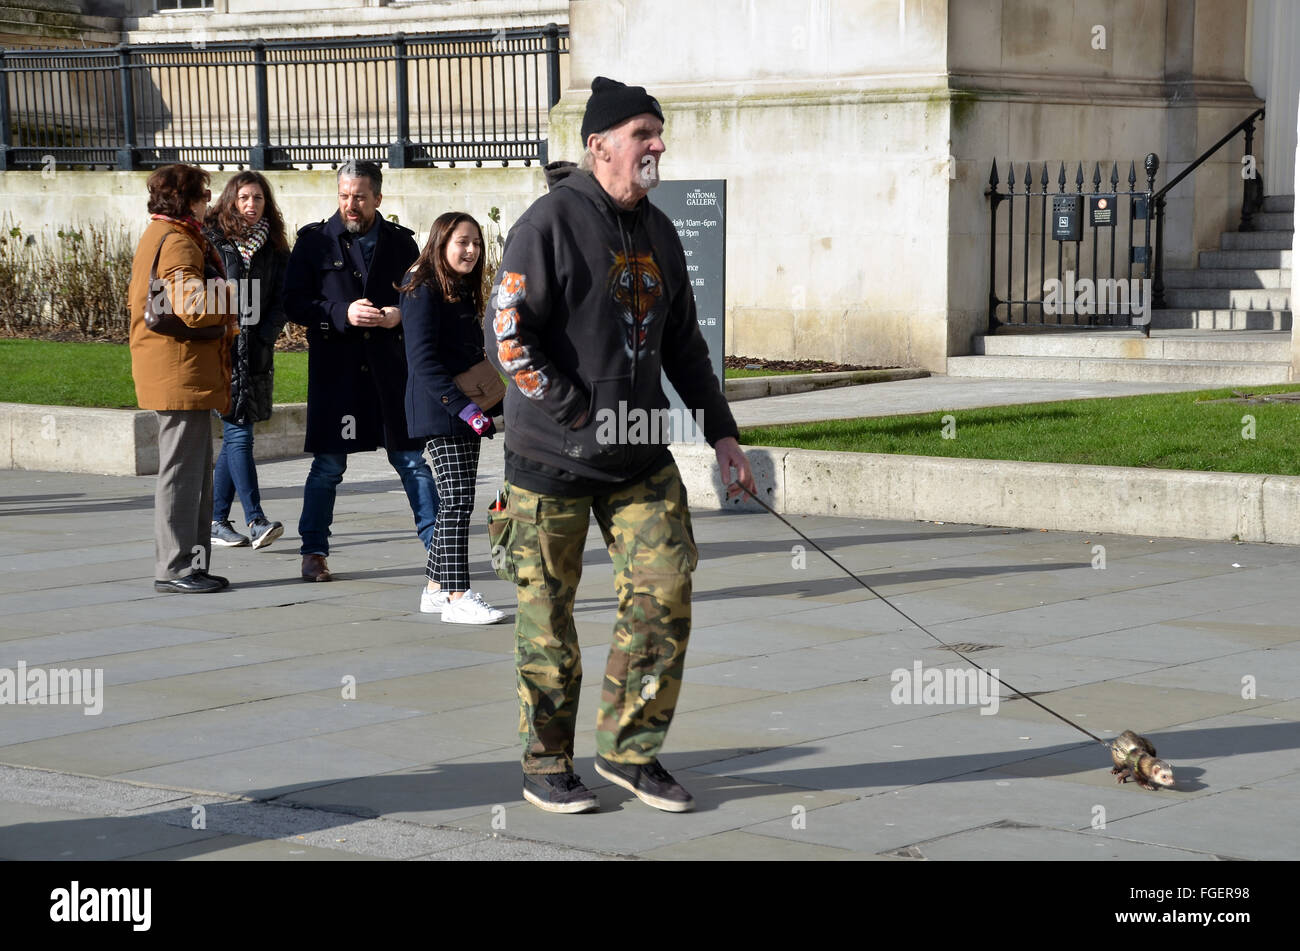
point(650, 783)
point(264, 532)
point(224, 534)
point(559, 792)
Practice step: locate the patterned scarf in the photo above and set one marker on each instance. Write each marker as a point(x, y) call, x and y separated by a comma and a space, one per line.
point(251, 241)
point(191, 226)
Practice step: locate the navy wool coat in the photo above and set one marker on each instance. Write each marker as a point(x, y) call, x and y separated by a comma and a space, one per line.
point(442, 340)
point(356, 376)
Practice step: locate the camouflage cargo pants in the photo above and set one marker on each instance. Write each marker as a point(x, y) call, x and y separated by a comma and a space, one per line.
point(537, 544)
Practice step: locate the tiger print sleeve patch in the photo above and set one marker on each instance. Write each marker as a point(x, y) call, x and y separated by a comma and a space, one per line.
point(511, 290)
point(532, 383)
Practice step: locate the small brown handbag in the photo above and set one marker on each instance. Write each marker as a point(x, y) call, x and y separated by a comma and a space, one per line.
point(160, 316)
point(482, 384)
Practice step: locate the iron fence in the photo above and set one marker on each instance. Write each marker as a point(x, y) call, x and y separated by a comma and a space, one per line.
point(1047, 302)
point(408, 100)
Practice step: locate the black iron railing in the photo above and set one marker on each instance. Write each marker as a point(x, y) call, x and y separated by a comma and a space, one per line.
point(1252, 194)
point(1118, 290)
point(408, 100)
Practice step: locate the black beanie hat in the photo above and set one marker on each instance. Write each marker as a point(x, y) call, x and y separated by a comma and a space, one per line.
point(611, 102)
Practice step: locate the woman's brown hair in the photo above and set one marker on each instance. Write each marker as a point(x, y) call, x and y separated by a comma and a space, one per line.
point(173, 189)
point(232, 224)
point(431, 266)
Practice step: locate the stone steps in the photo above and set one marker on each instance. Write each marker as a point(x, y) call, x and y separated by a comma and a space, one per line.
point(1248, 258)
point(1243, 287)
point(1187, 319)
point(1272, 221)
point(1255, 240)
point(1131, 344)
point(1129, 370)
point(1233, 277)
point(1224, 298)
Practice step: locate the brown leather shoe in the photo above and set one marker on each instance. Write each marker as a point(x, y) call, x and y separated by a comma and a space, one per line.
point(315, 569)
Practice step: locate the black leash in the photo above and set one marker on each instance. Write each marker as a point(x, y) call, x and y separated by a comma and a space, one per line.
point(914, 620)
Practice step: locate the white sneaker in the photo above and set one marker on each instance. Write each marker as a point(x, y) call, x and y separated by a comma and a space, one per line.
point(470, 608)
point(432, 602)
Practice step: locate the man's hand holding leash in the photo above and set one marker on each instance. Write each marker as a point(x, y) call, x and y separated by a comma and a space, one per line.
point(731, 456)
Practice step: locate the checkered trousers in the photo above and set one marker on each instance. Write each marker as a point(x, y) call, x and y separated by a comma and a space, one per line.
point(455, 467)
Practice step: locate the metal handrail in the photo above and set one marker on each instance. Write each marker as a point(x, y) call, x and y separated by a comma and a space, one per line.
point(1252, 197)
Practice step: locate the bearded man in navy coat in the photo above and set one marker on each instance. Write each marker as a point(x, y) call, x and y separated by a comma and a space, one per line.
point(340, 286)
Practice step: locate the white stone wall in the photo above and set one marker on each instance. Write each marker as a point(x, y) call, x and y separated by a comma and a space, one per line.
point(857, 137)
point(837, 175)
point(416, 196)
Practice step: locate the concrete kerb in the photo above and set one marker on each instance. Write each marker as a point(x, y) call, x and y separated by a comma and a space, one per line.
point(1112, 499)
point(1167, 503)
point(754, 387)
point(118, 441)
point(125, 441)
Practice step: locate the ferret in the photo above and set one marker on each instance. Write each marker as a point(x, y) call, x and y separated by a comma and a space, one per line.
point(1134, 756)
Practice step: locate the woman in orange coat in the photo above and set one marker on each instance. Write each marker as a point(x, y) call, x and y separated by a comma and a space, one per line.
point(181, 380)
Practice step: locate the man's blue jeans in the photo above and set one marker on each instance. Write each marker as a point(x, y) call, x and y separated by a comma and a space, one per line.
point(327, 470)
point(234, 472)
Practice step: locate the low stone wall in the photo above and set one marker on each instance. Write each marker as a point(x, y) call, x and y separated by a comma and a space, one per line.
point(1113, 499)
point(125, 442)
point(118, 441)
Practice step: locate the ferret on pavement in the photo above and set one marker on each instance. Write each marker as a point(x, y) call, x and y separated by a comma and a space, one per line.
point(1134, 756)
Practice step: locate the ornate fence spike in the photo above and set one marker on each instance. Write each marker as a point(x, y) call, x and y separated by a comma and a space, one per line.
point(1103, 251)
point(993, 175)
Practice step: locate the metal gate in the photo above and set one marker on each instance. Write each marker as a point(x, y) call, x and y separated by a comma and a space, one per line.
point(1103, 256)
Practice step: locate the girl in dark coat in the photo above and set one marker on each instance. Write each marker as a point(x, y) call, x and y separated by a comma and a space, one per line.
point(442, 307)
point(247, 230)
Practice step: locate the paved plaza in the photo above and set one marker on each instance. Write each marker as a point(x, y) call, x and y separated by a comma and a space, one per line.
point(284, 720)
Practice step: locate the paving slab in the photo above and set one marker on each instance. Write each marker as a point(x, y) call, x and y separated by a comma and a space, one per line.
point(894, 820)
point(625, 825)
point(1006, 841)
point(745, 846)
point(42, 833)
point(787, 699)
point(245, 848)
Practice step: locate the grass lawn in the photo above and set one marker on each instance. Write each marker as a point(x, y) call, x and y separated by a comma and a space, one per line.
point(1166, 431)
point(99, 374)
point(51, 373)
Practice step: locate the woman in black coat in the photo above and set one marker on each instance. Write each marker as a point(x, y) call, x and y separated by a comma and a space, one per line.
point(248, 232)
point(442, 307)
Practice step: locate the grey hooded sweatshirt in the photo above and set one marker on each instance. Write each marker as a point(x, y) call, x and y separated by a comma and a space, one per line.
point(590, 303)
